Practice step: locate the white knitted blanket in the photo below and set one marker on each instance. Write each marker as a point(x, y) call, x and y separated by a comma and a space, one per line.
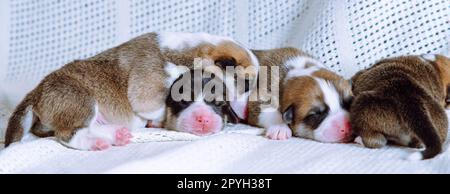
point(347, 35)
point(240, 149)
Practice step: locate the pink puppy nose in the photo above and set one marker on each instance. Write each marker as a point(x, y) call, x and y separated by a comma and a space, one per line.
point(345, 128)
point(203, 120)
point(203, 123)
point(339, 132)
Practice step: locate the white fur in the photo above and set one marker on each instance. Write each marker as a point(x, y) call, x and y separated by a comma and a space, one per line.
point(331, 95)
point(269, 117)
point(296, 66)
point(253, 58)
point(416, 156)
point(200, 100)
point(174, 72)
point(299, 62)
point(84, 138)
point(429, 57)
point(137, 122)
point(179, 41)
point(301, 72)
point(359, 140)
point(156, 115)
point(272, 120)
point(240, 105)
point(81, 140)
point(26, 126)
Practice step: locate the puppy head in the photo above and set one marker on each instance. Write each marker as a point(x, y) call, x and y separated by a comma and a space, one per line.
point(443, 64)
point(229, 54)
point(239, 67)
point(197, 104)
point(316, 107)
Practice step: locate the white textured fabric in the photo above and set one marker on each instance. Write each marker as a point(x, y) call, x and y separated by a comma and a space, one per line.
point(38, 36)
point(238, 150)
point(347, 35)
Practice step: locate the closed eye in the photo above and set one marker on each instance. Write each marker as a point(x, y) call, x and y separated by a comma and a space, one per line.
point(315, 116)
point(317, 111)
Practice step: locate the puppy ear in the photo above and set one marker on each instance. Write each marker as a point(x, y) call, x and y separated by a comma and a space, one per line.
point(226, 62)
point(288, 114)
point(230, 114)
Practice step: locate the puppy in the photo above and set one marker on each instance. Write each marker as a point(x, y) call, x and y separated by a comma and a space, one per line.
point(92, 104)
point(402, 100)
point(311, 102)
point(200, 112)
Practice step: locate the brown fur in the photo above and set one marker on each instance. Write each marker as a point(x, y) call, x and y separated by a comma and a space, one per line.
point(64, 100)
point(124, 80)
point(302, 92)
point(268, 58)
point(301, 100)
point(401, 100)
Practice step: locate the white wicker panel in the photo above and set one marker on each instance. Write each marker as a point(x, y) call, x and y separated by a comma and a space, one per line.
point(273, 23)
point(397, 27)
point(46, 34)
point(212, 16)
point(319, 36)
point(347, 35)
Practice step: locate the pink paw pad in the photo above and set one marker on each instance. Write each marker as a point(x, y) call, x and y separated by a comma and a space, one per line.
point(123, 137)
point(279, 133)
point(100, 145)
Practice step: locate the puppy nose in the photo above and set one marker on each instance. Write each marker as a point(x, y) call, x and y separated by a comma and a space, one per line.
point(345, 130)
point(203, 120)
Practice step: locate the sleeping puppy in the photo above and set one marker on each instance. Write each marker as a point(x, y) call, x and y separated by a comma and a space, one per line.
point(311, 101)
point(201, 112)
point(402, 100)
point(92, 104)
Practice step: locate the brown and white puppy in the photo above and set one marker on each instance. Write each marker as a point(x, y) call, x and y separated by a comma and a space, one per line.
point(311, 101)
point(402, 100)
point(92, 104)
point(198, 104)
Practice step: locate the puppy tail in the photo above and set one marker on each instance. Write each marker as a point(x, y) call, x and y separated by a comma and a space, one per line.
point(19, 121)
point(419, 121)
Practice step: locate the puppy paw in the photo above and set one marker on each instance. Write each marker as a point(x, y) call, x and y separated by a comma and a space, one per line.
point(123, 137)
point(154, 124)
point(99, 145)
point(279, 132)
point(358, 140)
